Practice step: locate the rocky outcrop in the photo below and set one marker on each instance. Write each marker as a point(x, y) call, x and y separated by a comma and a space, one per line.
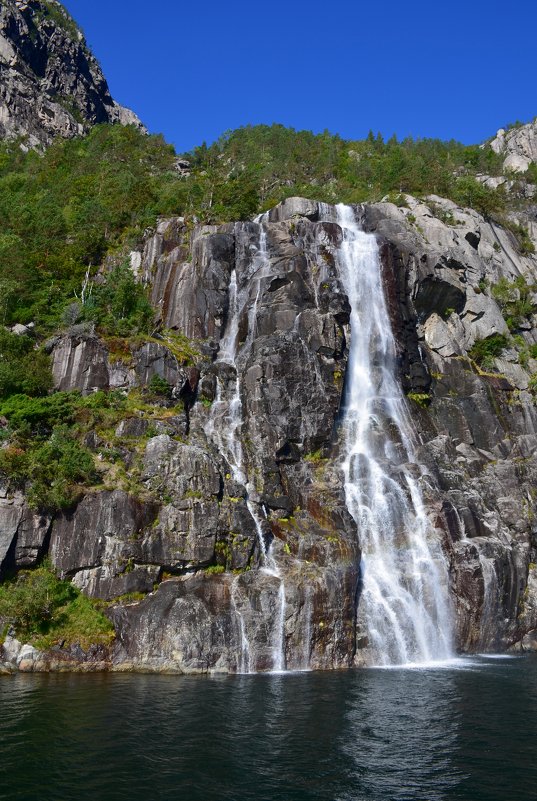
point(518, 145)
point(81, 361)
point(50, 84)
point(24, 534)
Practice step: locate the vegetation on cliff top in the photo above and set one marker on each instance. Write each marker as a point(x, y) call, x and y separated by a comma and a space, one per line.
point(65, 210)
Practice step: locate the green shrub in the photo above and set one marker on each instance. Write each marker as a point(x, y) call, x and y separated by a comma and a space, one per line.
point(22, 368)
point(316, 457)
point(215, 570)
point(159, 386)
point(473, 194)
point(63, 210)
point(55, 469)
point(484, 351)
point(38, 416)
point(119, 306)
point(44, 610)
point(422, 399)
point(514, 300)
point(28, 602)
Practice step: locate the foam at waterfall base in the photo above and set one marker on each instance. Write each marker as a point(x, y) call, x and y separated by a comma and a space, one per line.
point(465, 662)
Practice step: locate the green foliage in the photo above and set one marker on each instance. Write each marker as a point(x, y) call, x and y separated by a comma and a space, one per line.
point(484, 351)
point(22, 369)
point(422, 399)
point(467, 191)
point(44, 610)
point(397, 199)
point(274, 162)
point(525, 244)
point(214, 570)
point(514, 300)
point(159, 386)
point(119, 305)
point(55, 469)
point(38, 416)
point(56, 13)
point(63, 210)
point(315, 458)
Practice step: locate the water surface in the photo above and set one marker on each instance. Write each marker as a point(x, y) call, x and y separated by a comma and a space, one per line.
point(461, 732)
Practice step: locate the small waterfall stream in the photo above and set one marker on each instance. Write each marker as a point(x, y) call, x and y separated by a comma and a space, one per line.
point(404, 599)
point(224, 428)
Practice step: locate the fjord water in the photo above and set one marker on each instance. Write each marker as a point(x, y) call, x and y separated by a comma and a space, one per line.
point(465, 733)
point(404, 602)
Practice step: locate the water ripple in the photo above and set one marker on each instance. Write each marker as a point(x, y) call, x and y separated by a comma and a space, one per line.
point(371, 735)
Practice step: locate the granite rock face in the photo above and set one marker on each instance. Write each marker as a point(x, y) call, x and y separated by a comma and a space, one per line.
point(518, 145)
point(50, 84)
point(237, 551)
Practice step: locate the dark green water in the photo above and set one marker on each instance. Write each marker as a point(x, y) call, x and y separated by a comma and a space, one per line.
point(466, 733)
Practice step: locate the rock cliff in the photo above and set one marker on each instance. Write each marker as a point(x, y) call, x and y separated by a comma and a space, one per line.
point(252, 464)
point(50, 84)
point(518, 145)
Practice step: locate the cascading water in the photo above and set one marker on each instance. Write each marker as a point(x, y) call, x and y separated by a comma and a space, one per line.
point(404, 597)
point(224, 428)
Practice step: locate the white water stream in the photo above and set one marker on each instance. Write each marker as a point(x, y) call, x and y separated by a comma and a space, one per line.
point(404, 599)
point(224, 428)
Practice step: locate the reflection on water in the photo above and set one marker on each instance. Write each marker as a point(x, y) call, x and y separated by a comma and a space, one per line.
point(461, 732)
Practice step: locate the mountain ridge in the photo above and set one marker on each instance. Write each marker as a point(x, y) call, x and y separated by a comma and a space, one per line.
point(50, 83)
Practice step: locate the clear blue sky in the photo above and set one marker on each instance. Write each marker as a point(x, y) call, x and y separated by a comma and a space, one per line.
point(192, 70)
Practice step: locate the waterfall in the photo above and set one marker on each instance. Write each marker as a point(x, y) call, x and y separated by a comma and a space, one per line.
point(224, 428)
point(404, 597)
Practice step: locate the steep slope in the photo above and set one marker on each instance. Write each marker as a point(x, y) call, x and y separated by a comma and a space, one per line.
point(50, 84)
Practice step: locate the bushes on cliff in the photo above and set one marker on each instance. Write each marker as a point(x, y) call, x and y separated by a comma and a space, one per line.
point(60, 212)
point(275, 162)
point(63, 211)
point(467, 191)
point(29, 601)
point(515, 300)
point(22, 368)
point(45, 610)
point(43, 453)
point(119, 305)
point(53, 471)
point(36, 417)
point(485, 351)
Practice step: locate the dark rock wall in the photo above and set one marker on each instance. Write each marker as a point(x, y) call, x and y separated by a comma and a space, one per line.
point(191, 542)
